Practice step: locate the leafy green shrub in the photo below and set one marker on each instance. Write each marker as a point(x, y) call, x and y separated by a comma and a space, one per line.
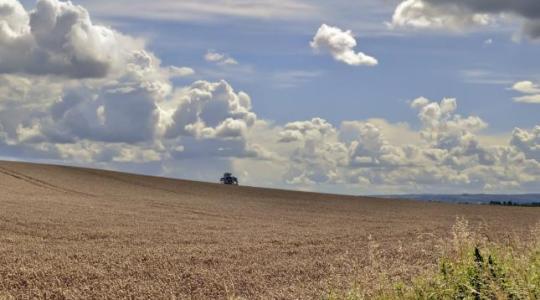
point(473, 268)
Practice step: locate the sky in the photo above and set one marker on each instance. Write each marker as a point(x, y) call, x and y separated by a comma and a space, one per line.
point(353, 97)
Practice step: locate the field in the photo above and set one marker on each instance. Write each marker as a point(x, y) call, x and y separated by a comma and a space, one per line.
point(80, 233)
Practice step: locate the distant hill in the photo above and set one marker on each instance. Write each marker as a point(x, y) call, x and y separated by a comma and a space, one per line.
point(471, 198)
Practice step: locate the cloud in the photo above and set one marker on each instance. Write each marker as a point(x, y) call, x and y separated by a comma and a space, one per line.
point(531, 99)
point(464, 14)
point(442, 126)
point(340, 44)
point(300, 131)
point(134, 116)
point(123, 109)
point(446, 154)
point(526, 87)
point(317, 154)
point(527, 142)
point(324, 154)
point(109, 114)
point(211, 110)
point(120, 114)
point(488, 77)
point(59, 38)
point(131, 113)
point(532, 91)
point(180, 71)
point(293, 78)
point(219, 58)
point(209, 11)
point(368, 147)
point(425, 14)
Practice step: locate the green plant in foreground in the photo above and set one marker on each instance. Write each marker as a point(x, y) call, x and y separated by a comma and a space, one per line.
point(480, 270)
point(472, 268)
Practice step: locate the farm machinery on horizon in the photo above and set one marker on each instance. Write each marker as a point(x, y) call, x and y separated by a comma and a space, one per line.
point(228, 179)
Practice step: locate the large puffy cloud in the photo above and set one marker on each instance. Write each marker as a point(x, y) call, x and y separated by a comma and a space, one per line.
point(211, 110)
point(315, 129)
point(115, 115)
point(528, 142)
point(368, 147)
point(316, 155)
point(340, 44)
point(424, 14)
point(133, 117)
point(131, 111)
point(121, 110)
point(444, 128)
point(59, 38)
point(448, 156)
point(324, 154)
point(451, 136)
point(463, 14)
point(210, 120)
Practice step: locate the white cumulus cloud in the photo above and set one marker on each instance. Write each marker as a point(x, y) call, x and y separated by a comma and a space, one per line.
point(59, 38)
point(531, 91)
point(423, 14)
point(210, 110)
point(526, 87)
point(340, 44)
point(448, 154)
point(100, 98)
point(527, 142)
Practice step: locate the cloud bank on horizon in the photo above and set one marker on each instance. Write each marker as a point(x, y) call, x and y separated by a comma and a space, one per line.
point(75, 91)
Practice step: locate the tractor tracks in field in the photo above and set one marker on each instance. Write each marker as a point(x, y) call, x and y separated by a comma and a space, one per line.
point(133, 182)
point(40, 183)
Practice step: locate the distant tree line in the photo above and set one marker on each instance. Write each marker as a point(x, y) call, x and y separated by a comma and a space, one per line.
point(510, 203)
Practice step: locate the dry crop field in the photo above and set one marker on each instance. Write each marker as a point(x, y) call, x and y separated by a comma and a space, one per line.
point(80, 233)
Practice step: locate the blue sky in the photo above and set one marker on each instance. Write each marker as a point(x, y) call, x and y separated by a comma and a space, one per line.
point(412, 64)
point(473, 53)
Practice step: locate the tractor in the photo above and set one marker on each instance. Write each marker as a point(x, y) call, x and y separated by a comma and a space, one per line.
point(228, 179)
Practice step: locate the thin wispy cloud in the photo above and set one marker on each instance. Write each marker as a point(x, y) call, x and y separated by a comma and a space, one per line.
point(219, 58)
point(209, 10)
point(294, 78)
point(487, 77)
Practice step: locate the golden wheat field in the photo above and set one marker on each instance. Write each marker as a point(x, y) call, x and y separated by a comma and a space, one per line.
point(68, 233)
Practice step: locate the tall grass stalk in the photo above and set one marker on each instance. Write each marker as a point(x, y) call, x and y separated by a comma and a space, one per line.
point(471, 267)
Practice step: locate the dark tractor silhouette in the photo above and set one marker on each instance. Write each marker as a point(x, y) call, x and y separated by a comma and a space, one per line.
point(228, 179)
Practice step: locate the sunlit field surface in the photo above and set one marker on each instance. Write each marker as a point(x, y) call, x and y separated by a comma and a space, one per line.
point(81, 233)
